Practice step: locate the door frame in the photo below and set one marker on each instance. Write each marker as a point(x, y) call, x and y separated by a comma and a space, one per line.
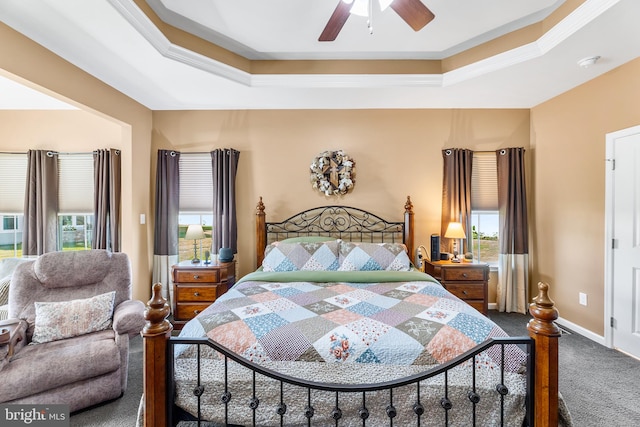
point(608, 228)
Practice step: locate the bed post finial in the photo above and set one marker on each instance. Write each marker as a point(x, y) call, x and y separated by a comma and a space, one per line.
point(408, 206)
point(545, 334)
point(408, 226)
point(544, 313)
point(261, 233)
point(260, 207)
point(156, 312)
point(155, 335)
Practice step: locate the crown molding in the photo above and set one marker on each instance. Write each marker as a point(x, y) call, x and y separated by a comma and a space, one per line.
point(573, 22)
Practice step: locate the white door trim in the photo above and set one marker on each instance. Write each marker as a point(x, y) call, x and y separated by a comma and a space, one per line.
point(608, 229)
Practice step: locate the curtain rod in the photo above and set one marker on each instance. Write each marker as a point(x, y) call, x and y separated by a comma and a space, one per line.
point(52, 153)
point(174, 152)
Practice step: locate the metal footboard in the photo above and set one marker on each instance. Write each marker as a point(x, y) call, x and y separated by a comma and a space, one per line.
point(338, 391)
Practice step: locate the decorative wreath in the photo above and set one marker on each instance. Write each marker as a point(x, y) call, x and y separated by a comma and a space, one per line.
point(333, 173)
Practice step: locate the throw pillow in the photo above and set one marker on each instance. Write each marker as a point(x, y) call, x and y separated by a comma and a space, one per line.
point(363, 256)
point(307, 239)
point(4, 289)
point(301, 256)
point(66, 319)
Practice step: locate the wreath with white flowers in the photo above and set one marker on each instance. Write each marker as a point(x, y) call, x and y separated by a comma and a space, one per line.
point(333, 173)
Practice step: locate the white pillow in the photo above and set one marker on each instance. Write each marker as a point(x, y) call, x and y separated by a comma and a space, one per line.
point(66, 319)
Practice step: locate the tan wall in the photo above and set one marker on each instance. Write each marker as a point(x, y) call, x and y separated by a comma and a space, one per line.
point(397, 154)
point(30, 63)
point(568, 146)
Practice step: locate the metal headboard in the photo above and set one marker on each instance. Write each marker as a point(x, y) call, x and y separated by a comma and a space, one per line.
point(339, 222)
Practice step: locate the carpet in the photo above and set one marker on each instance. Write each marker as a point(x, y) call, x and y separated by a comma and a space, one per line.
point(598, 384)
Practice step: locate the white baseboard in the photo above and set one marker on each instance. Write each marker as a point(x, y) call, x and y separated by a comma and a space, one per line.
point(581, 331)
point(564, 323)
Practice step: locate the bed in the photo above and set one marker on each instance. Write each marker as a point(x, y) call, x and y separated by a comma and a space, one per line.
point(337, 327)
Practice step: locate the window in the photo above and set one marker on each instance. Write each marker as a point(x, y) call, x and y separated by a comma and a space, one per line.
point(75, 231)
point(75, 201)
point(186, 247)
point(11, 236)
point(196, 203)
point(484, 208)
point(13, 174)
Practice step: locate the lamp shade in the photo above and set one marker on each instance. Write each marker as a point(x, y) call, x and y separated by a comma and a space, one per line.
point(455, 231)
point(194, 232)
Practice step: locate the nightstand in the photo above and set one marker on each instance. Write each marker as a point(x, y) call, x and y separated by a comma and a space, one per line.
point(196, 286)
point(469, 281)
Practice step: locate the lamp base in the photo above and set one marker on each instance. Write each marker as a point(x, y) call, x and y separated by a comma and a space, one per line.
point(195, 259)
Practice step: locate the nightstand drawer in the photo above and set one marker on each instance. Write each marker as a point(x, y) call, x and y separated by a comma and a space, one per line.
point(191, 276)
point(463, 274)
point(196, 287)
point(189, 311)
point(469, 281)
point(466, 292)
point(197, 293)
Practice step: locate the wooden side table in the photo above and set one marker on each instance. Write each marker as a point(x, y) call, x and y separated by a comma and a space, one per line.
point(469, 281)
point(197, 286)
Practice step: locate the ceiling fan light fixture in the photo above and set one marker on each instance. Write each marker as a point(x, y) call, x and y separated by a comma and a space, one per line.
point(360, 8)
point(384, 4)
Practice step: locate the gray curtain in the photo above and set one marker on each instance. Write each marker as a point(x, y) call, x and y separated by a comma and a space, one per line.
point(513, 269)
point(40, 204)
point(456, 195)
point(165, 247)
point(106, 205)
point(225, 226)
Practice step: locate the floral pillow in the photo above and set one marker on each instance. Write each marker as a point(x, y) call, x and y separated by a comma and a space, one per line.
point(362, 256)
point(66, 319)
point(301, 256)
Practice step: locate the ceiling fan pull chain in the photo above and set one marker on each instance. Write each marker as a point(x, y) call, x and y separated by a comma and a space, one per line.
point(370, 20)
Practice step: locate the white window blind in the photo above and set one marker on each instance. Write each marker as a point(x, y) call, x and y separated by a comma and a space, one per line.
point(484, 182)
point(75, 183)
point(196, 183)
point(13, 178)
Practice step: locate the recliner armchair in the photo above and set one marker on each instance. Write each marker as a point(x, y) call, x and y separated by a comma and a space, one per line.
point(71, 317)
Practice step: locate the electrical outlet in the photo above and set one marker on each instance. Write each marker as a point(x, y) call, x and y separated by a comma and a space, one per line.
point(583, 298)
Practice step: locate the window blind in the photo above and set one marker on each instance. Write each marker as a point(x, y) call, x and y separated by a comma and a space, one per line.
point(75, 183)
point(484, 182)
point(13, 178)
point(196, 183)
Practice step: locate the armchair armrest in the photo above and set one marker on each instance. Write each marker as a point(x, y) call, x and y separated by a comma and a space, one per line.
point(128, 317)
point(16, 339)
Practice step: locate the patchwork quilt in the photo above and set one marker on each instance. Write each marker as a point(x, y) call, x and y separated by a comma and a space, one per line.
point(346, 317)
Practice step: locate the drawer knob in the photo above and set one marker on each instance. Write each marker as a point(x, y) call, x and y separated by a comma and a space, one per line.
point(464, 274)
point(196, 312)
point(196, 277)
point(464, 292)
point(196, 294)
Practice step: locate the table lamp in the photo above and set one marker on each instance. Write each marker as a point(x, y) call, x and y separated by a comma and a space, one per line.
point(455, 232)
point(194, 232)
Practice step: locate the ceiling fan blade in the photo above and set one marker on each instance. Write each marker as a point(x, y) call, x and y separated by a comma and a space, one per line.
point(414, 13)
point(336, 22)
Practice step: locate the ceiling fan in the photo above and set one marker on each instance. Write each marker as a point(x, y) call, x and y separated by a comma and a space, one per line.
point(413, 12)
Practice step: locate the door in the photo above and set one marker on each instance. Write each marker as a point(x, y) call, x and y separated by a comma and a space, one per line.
point(624, 175)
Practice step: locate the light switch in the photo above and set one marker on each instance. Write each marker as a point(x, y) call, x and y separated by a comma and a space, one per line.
point(143, 219)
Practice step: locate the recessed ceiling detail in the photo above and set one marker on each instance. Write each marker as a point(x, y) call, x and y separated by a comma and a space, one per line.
point(212, 54)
